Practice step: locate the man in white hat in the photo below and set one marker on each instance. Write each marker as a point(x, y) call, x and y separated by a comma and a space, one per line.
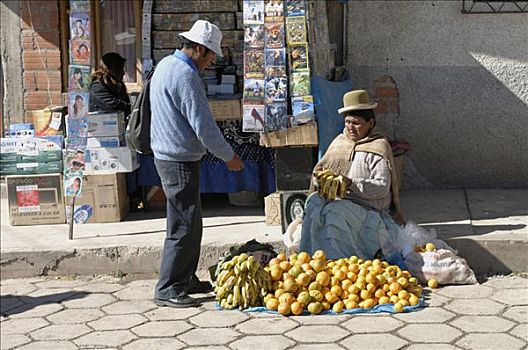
point(182, 128)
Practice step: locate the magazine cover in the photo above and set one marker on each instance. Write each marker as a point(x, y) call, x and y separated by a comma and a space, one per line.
point(276, 71)
point(253, 11)
point(76, 127)
point(274, 10)
point(74, 160)
point(295, 8)
point(296, 30)
point(75, 143)
point(253, 118)
point(254, 63)
point(303, 109)
point(254, 36)
point(79, 25)
point(80, 51)
point(276, 116)
point(276, 89)
point(78, 104)
point(300, 84)
point(72, 184)
point(275, 57)
point(254, 90)
point(80, 5)
point(298, 57)
point(79, 78)
point(274, 38)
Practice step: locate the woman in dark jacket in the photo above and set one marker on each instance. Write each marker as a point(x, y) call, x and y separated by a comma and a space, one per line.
point(108, 91)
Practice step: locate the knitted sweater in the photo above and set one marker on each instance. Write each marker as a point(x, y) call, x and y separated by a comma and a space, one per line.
point(182, 125)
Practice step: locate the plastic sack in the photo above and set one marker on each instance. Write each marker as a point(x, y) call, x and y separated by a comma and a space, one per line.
point(443, 265)
point(292, 236)
point(412, 235)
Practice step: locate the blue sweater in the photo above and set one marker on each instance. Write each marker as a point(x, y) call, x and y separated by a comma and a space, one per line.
point(182, 125)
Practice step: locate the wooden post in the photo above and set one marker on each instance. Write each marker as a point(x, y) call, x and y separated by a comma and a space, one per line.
point(72, 210)
point(321, 49)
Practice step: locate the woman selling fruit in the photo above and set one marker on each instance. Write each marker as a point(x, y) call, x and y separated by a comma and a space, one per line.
point(357, 201)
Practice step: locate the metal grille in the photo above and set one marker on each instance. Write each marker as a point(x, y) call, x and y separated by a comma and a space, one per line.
point(494, 6)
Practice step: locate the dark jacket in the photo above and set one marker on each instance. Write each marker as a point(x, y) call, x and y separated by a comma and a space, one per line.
point(104, 98)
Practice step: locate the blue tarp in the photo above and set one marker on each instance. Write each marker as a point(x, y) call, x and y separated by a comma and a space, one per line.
point(328, 98)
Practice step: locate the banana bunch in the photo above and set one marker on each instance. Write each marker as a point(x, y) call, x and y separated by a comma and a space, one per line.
point(331, 186)
point(242, 283)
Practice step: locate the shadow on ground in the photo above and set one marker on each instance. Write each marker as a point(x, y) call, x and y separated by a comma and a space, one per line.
point(13, 304)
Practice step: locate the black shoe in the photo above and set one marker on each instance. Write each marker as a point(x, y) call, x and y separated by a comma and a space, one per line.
point(196, 286)
point(178, 302)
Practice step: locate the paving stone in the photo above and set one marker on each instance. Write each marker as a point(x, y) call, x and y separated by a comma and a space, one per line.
point(155, 344)
point(12, 341)
point(434, 299)
point(521, 331)
point(151, 283)
point(475, 291)
point(266, 326)
point(105, 338)
point(169, 313)
point(517, 313)
point(113, 322)
point(429, 333)
point(31, 311)
point(512, 296)
point(489, 341)
point(372, 325)
point(49, 296)
point(22, 326)
point(475, 307)
point(61, 283)
point(210, 305)
point(321, 319)
point(219, 318)
point(207, 348)
point(317, 334)
point(8, 303)
point(482, 324)
point(426, 315)
point(271, 342)
point(369, 341)
point(125, 307)
point(317, 347)
point(49, 345)
point(60, 332)
point(71, 316)
point(16, 288)
point(11, 281)
point(161, 328)
point(431, 347)
point(90, 301)
point(100, 287)
point(209, 336)
point(507, 282)
point(136, 292)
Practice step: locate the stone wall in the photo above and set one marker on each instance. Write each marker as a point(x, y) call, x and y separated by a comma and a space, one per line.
point(461, 85)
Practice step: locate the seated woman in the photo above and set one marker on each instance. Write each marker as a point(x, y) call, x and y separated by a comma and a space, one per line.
point(365, 217)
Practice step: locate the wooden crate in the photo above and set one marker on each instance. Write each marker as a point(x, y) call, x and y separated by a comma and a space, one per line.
point(301, 135)
point(272, 209)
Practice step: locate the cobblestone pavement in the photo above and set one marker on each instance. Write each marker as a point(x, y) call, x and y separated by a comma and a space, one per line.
point(107, 313)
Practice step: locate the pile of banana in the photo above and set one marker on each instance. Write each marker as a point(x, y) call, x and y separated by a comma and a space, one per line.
point(331, 186)
point(242, 283)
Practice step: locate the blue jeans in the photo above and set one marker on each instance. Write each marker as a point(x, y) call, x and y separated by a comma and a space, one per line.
point(181, 248)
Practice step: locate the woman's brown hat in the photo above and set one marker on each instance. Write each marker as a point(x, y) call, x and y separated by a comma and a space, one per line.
point(356, 100)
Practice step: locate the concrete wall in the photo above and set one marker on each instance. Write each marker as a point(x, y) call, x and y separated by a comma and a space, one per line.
point(462, 87)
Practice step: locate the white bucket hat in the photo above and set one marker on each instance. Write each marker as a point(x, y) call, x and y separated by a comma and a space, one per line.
point(206, 34)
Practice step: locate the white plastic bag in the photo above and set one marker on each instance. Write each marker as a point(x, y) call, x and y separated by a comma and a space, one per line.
point(412, 235)
point(443, 265)
point(292, 236)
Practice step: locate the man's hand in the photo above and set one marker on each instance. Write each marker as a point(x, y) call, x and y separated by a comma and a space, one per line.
point(235, 164)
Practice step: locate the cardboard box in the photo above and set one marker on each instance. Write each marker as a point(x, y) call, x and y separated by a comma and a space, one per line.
point(272, 209)
point(49, 121)
point(106, 124)
point(31, 149)
point(226, 109)
point(301, 135)
point(228, 79)
point(110, 160)
point(30, 168)
point(35, 199)
point(103, 199)
point(106, 142)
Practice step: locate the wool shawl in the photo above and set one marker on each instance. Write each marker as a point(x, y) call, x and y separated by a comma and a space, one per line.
point(340, 154)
